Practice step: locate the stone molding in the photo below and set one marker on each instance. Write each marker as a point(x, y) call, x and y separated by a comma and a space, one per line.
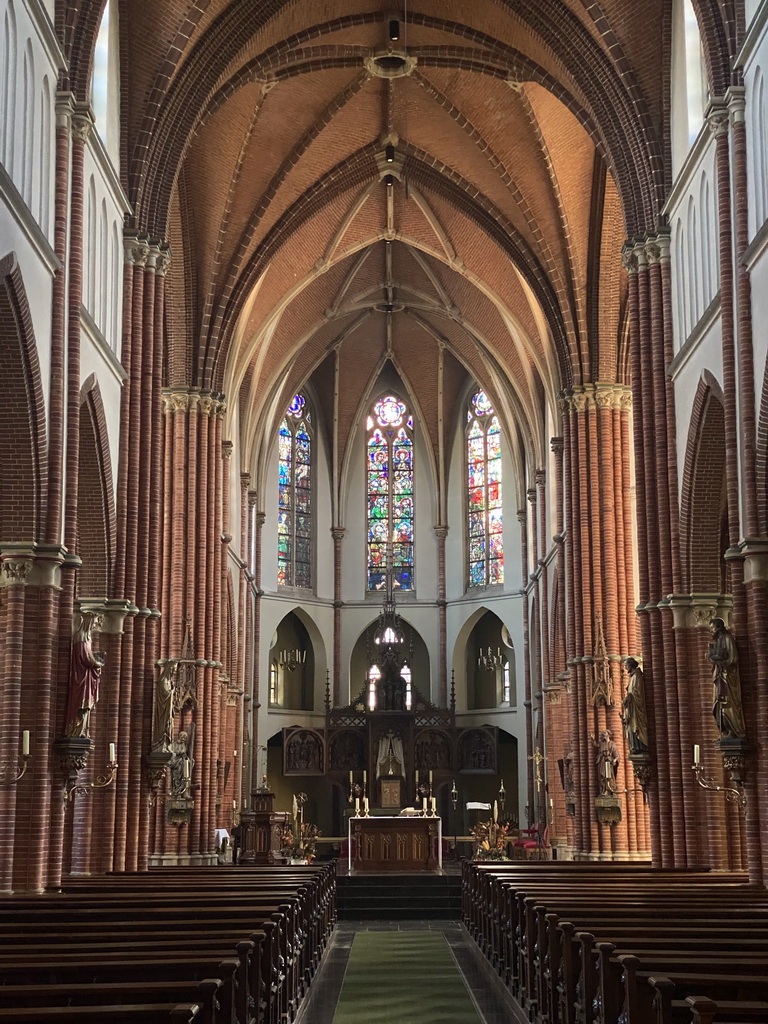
point(599, 395)
point(193, 400)
point(718, 119)
point(112, 612)
point(754, 551)
point(696, 611)
point(31, 565)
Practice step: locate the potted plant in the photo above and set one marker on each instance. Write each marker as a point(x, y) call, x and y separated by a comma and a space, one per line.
point(299, 843)
point(490, 840)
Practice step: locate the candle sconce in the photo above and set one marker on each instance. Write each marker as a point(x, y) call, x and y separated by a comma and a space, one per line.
point(502, 796)
point(734, 794)
point(18, 768)
point(102, 781)
point(454, 795)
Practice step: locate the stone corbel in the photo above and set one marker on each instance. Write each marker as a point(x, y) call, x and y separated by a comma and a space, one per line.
point(754, 551)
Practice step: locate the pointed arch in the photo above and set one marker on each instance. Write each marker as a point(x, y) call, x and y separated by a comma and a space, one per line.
point(703, 498)
point(22, 412)
point(97, 519)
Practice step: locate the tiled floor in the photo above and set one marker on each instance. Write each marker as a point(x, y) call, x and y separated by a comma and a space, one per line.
point(494, 1003)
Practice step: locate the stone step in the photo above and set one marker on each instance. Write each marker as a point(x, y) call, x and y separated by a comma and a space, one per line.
point(398, 897)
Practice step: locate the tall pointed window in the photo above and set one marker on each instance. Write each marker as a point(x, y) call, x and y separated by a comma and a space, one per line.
point(486, 544)
point(294, 515)
point(389, 479)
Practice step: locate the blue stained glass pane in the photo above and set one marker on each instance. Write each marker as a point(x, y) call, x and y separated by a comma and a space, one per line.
point(477, 574)
point(302, 450)
point(405, 578)
point(481, 404)
point(476, 474)
point(296, 407)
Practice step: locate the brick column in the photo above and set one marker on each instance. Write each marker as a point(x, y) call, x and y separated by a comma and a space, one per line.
point(337, 532)
point(441, 532)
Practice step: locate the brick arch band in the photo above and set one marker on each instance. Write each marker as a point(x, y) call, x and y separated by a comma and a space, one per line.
point(97, 517)
point(22, 413)
point(703, 491)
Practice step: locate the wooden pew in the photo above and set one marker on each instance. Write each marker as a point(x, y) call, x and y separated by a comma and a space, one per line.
point(710, 1011)
point(138, 1013)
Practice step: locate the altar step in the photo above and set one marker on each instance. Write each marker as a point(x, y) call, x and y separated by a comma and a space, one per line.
point(398, 897)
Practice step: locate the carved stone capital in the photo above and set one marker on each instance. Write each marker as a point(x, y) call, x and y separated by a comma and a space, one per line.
point(261, 518)
point(522, 516)
point(531, 495)
point(580, 401)
point(696, 611)
point(226, 450)
point(17, 571)
point(337, 532)
point(629, 259)
point(718, 120)
point(540, 476)
point(652, 252)
point(163, 260)
point(82, 123)
point(441, 532)
point(140, 253)
point(207, 403)
point(755, 553)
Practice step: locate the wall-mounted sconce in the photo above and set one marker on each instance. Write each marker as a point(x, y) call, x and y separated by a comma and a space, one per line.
point(18, 767)
point(732, 794)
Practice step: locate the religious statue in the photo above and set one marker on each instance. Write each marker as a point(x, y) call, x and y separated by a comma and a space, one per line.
point(162, 718)
point(181, 765)
point(569, 783)
point(392, 683)
point(607, 762)
point(303, 753)
point(85, 667)
point(635, 717)
point(726, 687)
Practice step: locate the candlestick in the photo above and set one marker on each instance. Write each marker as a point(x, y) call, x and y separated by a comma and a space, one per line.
point(434, 806)
point(365, 806)
point(357, 806)
point(112, 751)
point(696, 753)
point(25, 743)
point(424, 806)
point(430, 778)
point(365, 779)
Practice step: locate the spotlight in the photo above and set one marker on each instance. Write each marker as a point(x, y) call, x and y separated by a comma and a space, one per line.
point(394, 29)
point(390, 153)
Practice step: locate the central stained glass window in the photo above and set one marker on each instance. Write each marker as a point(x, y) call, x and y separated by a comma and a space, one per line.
point(294, 514)
point(484, 509)
point(389, 481)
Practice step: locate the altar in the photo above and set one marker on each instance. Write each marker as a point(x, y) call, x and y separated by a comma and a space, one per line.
point(395, 844)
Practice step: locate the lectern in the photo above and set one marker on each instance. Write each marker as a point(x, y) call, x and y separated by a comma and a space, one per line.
point(261, 828)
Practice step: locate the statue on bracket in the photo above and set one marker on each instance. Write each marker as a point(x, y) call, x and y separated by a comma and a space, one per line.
point(634, 714)
point(182, 763)
point(162, 718)
point(726, 686)
point(607, 763)
point(392, 684)
point(85, 667)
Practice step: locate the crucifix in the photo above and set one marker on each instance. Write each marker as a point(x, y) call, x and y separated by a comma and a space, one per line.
point(537, 757)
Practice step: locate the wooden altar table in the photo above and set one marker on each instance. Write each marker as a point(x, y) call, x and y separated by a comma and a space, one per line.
point(395, 844)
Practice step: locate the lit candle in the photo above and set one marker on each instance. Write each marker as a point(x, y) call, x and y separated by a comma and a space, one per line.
point(434, 805)
point(696, 753)
point(365, 779)
point(424, 804)
point(234, 805)
point(365, 804)
point(495, 811)
point(112, 751)
point(25, 743)
point(430, 778)
point(351, 779)
point(357, 806)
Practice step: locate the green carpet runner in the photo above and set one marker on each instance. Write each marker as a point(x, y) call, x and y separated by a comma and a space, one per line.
point(403, 977)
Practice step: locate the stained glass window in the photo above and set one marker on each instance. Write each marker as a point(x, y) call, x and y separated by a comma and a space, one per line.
point(389, 478)
point(484, 506)
point(294, 513)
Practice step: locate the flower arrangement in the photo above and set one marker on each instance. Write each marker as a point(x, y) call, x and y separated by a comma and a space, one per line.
point(299, 841)
point(490, 840)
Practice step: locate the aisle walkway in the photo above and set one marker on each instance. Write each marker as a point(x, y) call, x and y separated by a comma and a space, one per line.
point(449, 967)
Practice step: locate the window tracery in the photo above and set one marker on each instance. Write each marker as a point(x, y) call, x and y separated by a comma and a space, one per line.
point(484, 494)
point(294, 517)
point(389, 483)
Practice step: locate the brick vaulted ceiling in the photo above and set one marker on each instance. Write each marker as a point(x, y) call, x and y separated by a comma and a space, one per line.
point(526, 143)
